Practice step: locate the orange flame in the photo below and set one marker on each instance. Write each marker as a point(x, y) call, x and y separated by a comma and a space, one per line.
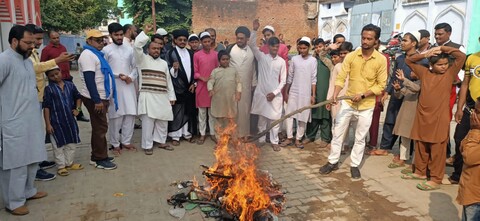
point(246, 192)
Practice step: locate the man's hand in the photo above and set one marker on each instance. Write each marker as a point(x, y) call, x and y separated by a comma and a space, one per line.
point(333, 46)
point(204, 79)
point(172, 103)
point(357, 98)
point(128, 80)
point(192, 88)
point(312, 99)
point(175, 65)
point(147, 28)
point(99, 107)
point(238, 96)
point(400, 75)
point(210, 93)
point(64, 57)
point(270, 96)
point(122, 77)
point(396, 86)
point(474, 121)
point(285, 98)
point(49, 129)
point(328, 107)
point(433, 52)
point(256, 24)
point(458, 116)
point(75, 112)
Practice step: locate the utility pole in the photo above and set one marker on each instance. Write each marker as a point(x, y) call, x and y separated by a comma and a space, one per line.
point(154, 16)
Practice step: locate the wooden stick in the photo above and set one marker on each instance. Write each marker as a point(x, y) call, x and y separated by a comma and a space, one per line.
point(256, 137)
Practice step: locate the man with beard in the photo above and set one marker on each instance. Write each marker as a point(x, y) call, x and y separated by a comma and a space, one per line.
point(21, 131)
point(157, 94)
point(215, 46)
point(180, 62)
point(40, 68)
point(130, 33)
point(121, 60)
point(366, 70)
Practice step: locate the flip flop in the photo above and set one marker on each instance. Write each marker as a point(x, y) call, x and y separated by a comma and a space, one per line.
point(407, 170)
point(75, 166)
point(63, 172)
point(117, 151)
point(175, 142)
point(276, 147)
point(427, 187)
point(287, 142)
point(201, 140)
point(166, 147)
point(395, 165)
point(299, 145)
point(410, 176)
point(375, 153)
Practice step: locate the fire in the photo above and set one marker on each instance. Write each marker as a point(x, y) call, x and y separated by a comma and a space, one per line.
point(235, 179)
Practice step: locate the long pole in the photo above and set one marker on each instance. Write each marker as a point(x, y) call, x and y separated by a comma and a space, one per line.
point(154, 16)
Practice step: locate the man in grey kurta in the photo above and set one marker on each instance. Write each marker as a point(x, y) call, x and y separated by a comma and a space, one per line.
point(22, 134)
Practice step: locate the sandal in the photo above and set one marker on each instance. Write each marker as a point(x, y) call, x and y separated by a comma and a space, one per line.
point(148, 151)
point(117, 151)
point(427, 187)
point(165, 147)
point(63, 172)
point(396, 165)
point(287, 142)
point(407, 170)
point(75, 166)
point(214, 139)
point(175, 142)
point(276, 147)
point(410, 176)
point(299, 144)
point(375, 152)
point(201, 140)
point(128, 147)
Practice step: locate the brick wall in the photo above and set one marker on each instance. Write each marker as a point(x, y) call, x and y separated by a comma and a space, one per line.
point(288, 17)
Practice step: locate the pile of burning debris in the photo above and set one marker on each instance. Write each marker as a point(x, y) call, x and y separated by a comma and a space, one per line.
point(235, 190)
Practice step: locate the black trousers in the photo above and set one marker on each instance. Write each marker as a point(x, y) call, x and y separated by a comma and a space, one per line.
point(461, 131)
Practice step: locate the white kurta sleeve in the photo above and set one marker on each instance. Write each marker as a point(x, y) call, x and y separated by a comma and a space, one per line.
point(283, 78)
point(173, 72)
point(253, 45)
point(171, 90)
point(140, 41)
point(134, 73)
point(314, 71)
point(291, 73)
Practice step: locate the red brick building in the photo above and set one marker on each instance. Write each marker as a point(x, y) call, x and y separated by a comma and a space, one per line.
point(288, 17)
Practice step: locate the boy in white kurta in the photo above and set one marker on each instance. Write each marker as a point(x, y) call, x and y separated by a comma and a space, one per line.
point(301, 87)
point(156, 94)
point(267, 98)
point(121, 60)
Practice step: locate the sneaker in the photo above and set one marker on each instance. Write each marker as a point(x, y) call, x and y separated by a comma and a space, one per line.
point(43, 175)
point(46, 165)
point(111, 159)
point(328, 168)
point(105, 164)
point(355, 173)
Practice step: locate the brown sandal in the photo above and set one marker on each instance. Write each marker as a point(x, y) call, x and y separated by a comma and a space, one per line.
point(201, 140)
point(175, 142)
point(276, 147)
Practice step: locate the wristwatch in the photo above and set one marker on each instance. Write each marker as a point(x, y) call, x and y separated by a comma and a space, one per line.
point(363, 96)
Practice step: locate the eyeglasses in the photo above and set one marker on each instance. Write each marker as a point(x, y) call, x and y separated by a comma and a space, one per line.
point(98, 40)
point(28, 42)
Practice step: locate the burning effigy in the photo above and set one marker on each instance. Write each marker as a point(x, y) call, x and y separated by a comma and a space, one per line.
point(235, 189)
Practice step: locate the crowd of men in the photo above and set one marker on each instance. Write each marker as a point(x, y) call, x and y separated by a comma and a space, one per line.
point(183, 90)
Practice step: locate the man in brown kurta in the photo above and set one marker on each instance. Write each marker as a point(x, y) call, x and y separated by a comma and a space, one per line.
point(431, 126)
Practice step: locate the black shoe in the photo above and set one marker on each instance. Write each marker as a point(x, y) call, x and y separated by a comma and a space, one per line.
point(328, 168)
point(82, 118)
point(46, 165)
point(105, 164)
point(111, 159)
point(137, 126)
point(355, 173)
point(43, 175)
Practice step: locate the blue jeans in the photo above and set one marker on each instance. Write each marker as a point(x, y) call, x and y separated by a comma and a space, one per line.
point(471, 212)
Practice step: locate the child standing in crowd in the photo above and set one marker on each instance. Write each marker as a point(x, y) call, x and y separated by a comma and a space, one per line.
point(469, 189)
point(59, 98)
point(225, 89)
point(431, 134)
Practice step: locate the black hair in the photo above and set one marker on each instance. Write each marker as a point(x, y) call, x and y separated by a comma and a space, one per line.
point(17, 32)
point(51, 32)
point(346, 46)
point(221, 53)
point(424, 33)
point(34, 29)
point(334, 52)
point(115, 27)
point(156, 36)
point(318, 41)
point(444, 26)
point(126, 27)
point(244, 30)
point(433, 60)
point(412, 38)
point(374, 28)
point(337, 36)
point(273, 41)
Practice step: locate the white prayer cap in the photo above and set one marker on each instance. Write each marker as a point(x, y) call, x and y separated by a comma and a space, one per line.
point(416, 34)
point(193, 37)
point(306, 40)
point(268, 27)
point(161, 32)
point(204, 35)
point(53, 68)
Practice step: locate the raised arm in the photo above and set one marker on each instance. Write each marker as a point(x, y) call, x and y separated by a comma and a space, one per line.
point(459, 58)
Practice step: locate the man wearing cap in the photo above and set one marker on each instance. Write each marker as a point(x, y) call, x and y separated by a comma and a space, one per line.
point(121, 59)
point(194, 42)
point(268, 32)
point(215, 46)
point(204, 61)
point(98, 84)
point(21, 131)
point(243, 60)
point(267, 99)
point(300, 91)
point(180, 62)
point(366, 69)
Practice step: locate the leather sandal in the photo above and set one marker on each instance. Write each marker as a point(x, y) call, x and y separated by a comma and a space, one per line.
point(63, 172)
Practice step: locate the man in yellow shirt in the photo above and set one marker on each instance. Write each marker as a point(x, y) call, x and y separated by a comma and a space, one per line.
point(366, 69)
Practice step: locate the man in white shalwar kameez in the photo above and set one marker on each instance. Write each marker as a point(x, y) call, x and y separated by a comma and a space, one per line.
point(21, 131)
point(267, 98)
point(121, 59)
point(157, 94)
point(243, 60)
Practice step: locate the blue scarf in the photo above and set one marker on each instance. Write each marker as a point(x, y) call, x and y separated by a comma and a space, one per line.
point(107, 72)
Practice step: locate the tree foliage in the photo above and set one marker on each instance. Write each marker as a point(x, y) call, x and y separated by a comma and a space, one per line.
point(75, 15)
point(170, 14)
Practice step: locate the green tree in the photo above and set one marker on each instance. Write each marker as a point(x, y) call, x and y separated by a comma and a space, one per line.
point(170, 14)
point(75, 15)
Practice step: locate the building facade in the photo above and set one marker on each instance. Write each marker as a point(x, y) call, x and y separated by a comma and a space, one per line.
point(20, 12)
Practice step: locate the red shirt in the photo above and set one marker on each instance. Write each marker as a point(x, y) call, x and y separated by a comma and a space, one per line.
point(51, 52)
